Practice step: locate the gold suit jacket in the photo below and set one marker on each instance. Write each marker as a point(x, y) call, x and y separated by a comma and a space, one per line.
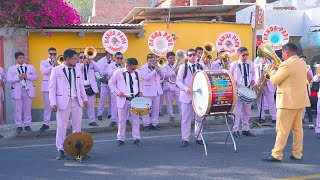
point(291, 84)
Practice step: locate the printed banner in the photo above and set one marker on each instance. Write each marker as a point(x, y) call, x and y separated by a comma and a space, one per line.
point(278, 35)
point(260, 14)
point(229, 42)
point(114, 41)
point(160, 43)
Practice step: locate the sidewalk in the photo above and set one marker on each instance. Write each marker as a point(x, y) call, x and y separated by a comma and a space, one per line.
point(8, 131)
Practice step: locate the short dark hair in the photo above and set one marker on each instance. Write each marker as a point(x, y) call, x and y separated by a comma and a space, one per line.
point(118, 54)
point(68, 53)
point(220, 52)
point(17, 54)
point(52, 49)
point(151, 55)
point(81, 52)
point(170, 54)
point(302, 56)
point(191, 49)
point(290, 47)
point(241, 49)
point(199, 48)
point(107, 52)
point(132, 61)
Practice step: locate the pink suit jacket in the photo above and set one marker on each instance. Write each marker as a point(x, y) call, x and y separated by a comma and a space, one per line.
point(184, 84)
point(93, 67)
point(117, 84)
point(103, 64)
point(59, 88)
point(167, 73)
point(4, 79)
point(14, 80)
point(151, 85)
point(45, 68)
point(237, 75)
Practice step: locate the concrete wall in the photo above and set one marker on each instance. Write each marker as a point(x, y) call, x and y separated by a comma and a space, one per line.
point(14, 40)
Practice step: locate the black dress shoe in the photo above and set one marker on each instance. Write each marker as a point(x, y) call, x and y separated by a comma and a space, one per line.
point(112, 124)
point(155, 128)
point(120, 143)
point(274, 121)
point(137, 142)
point(19, 129)
point(199, 142)
point(60, 155)
point(294, 158)
point(93, 124)
point(100, 118)
point(128, 123)
point(44, 127)
point(248, 133)
point(27, 128)
point(172, 119)
point(270, 159)
point(318, 135)
point(109, 116)
point(184, 144)
point(236, 134)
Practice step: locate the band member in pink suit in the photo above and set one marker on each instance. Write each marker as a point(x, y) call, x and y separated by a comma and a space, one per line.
point(170, 89)
point(244, 74)
point(21, 77)
point(184, 82)
point(126, 84)
point(67, 97)
point(218, 63)
point(152, 89)
point(3, 81)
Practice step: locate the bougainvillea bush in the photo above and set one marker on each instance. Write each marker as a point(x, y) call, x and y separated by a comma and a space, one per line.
point(37, 13)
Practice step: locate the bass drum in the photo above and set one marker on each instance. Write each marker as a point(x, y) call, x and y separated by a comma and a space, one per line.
point(213, 92)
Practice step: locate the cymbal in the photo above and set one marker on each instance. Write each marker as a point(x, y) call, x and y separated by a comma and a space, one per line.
point(78, 144)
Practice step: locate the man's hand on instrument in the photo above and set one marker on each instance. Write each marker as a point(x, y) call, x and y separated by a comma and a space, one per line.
point(189, 91)
point(85, 104)
point(121, 94)
point(54, 108)
point(22, 76)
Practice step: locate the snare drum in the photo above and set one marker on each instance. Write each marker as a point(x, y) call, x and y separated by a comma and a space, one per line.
point(213, 92)
point(141, 105)
point(246, 95)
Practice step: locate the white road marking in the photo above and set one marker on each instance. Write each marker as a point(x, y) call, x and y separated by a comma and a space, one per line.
point(112, 140)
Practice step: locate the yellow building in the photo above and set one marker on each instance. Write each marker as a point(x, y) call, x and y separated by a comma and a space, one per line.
point(188, 34)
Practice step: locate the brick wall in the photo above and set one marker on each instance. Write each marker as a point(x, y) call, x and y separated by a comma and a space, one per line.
point(108, 11)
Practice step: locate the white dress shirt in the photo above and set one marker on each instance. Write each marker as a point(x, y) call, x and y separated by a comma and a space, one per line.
point(135, 83)
point(73, 83)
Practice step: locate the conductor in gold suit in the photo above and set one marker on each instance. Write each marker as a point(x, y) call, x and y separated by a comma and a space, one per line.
point(292, 98)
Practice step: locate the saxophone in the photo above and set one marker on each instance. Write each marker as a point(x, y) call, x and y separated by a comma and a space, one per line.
point(266, 50)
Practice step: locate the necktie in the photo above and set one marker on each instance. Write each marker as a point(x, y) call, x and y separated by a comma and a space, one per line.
point(69, 79)
point(21, 67)
point(50, 62)
point(262, 69)
point(85, 69)
point(245, 74)
point(193, 68)
point(151, 68)
point(109, 62)
point(130, 83)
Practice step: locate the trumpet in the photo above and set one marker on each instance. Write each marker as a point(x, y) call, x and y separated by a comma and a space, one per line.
point(160, 63)
point(90, 52)
point(59, 59)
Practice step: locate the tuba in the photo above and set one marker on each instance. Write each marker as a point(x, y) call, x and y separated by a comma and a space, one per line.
point(208, 49)
point(181, 55)
point(225, 60)
point(266, 50)
point(91, 52)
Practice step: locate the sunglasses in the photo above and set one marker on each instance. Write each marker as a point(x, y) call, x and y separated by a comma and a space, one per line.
point(190, 55)
point(82, 57)
point(150, 56)
point(243, 55)
point(53, 54)
point(120, 58)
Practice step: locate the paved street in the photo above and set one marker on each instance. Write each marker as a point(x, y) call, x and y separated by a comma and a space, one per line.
point(160, 157)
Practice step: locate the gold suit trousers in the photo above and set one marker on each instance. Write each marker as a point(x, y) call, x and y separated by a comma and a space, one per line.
point(288, 119)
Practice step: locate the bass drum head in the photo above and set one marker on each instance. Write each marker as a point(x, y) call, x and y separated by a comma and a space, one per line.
point(200, 93)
